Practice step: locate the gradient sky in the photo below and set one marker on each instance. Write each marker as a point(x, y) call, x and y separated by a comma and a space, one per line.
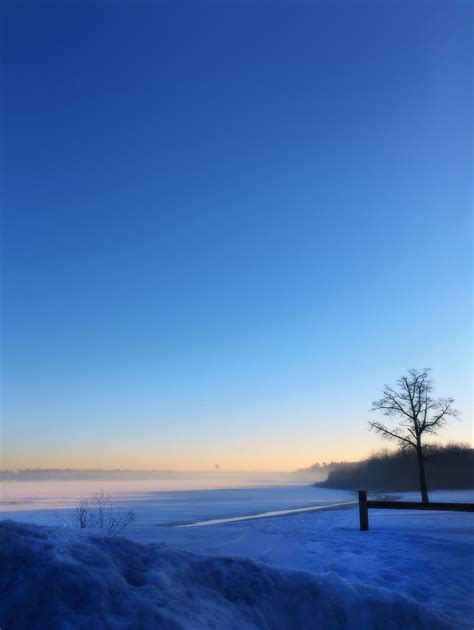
point(226, 226)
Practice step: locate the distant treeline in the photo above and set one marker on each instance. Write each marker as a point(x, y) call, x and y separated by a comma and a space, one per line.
point(447, 468)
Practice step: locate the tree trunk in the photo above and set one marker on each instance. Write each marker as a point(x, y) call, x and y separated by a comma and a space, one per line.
point(421, 470)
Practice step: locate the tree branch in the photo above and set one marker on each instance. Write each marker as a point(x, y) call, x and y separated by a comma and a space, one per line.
point(391, 435)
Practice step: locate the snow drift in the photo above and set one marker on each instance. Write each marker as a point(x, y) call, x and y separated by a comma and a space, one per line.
point(57, 578)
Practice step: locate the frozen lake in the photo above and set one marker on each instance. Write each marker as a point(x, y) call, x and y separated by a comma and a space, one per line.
point(168, 500)
point(427, 557)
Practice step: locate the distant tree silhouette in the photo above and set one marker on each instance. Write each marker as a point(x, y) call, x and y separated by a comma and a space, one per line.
point(417, 412)
point(449, 467)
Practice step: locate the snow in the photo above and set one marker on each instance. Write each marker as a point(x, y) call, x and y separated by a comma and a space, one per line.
point(426, 556)
point(61, 578)
point(45, 489)
point(424, 561)
point(164, 507)
point(265, 515)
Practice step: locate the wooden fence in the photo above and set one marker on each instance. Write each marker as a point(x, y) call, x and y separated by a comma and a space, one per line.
point(364, 506)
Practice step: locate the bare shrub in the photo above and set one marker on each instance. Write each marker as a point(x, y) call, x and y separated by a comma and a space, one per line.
point(97, 512)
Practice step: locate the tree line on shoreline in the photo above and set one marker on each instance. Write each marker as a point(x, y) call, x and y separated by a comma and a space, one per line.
point(449, 467)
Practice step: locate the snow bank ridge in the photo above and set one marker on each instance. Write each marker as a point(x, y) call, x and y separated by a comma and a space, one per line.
point(57, 578)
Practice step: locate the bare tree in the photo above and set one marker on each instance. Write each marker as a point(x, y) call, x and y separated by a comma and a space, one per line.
point(82, 513)
point(97, 512)
point(417, 413)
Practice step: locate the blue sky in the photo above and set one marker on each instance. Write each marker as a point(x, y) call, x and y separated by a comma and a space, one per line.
point(226, 226)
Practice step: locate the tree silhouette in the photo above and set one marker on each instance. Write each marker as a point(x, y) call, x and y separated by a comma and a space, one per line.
point(417, 412)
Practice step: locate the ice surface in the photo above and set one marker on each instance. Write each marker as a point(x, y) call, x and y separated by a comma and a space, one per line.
point(30, 490)
point(425, 557)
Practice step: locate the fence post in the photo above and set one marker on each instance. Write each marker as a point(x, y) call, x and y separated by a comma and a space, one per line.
point(363, 511)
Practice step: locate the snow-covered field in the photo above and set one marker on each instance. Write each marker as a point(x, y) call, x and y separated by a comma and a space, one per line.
point(412, 569)
point(53, 578)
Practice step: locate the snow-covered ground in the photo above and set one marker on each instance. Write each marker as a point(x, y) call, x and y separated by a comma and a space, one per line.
point(423, 561)
point(426, 556)
point(45, 489)
point(59, 578)
point(37, 502)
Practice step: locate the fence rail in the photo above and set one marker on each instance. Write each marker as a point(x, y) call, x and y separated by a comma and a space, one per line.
point(364, 506)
